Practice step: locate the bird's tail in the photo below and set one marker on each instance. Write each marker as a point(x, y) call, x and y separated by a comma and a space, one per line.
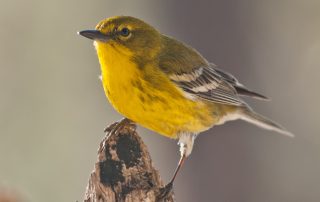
point(250, 116)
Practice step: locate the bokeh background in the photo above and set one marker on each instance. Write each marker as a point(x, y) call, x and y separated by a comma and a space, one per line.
point(53, 110)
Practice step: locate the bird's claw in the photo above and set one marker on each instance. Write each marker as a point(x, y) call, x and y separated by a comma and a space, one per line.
point(117, 126)
point(165, 191)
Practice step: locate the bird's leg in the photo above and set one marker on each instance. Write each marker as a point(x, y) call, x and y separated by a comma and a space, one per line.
point(166, 190)
point(183, 157)
point(186, 144)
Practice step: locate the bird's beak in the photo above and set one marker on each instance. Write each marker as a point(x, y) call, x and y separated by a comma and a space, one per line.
point(94, 35)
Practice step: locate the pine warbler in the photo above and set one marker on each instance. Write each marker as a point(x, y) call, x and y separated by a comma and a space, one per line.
point(166, 85)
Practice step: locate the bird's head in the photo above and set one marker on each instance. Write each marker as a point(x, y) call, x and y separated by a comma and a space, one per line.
point(126, 35)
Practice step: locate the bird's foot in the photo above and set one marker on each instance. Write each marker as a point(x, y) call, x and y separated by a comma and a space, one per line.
point(116, 127)
point(165, 191)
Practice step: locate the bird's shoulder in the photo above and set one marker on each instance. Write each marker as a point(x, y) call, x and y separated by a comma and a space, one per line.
point(177, 57)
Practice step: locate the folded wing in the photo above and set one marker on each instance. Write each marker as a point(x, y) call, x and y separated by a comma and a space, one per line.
point(214, 85)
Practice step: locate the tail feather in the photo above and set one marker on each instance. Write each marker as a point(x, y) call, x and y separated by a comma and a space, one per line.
point(263, 122)
point(246, 92)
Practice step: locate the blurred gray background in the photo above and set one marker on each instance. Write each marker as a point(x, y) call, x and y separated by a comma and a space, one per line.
point(53, 109)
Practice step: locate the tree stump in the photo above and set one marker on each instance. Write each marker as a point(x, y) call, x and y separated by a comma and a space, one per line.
point(124, 170)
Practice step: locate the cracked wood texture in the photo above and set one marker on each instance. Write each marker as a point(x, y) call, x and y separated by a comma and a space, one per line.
point(124, 170)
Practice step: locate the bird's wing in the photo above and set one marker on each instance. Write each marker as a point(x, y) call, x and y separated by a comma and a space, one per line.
point(240, 88)
point(208, 84)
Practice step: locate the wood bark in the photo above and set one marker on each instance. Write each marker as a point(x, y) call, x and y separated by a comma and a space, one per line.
point(124, 170)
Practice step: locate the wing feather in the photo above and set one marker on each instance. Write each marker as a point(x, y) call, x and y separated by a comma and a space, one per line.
point(208, 84)
point(240, 88)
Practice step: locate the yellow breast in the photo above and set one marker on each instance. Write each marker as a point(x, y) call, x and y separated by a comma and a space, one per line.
point(146, 96)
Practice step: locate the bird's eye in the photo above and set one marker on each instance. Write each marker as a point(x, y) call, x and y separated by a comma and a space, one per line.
point(125, 32)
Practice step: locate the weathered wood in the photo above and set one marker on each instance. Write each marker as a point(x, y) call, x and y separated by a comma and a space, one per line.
point(124, 170)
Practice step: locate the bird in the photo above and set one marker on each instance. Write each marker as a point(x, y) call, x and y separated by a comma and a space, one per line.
point(166, 85)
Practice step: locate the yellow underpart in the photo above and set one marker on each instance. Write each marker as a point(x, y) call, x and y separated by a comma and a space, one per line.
point(163, 107)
